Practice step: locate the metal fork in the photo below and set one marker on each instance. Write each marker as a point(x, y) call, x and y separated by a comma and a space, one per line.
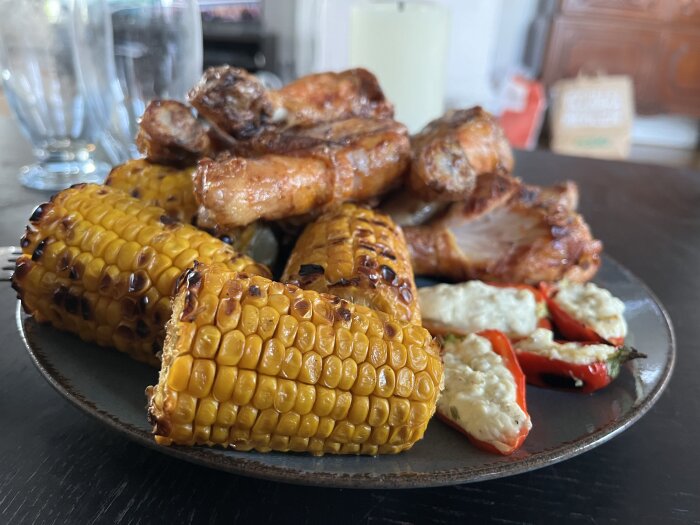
point(8, 257)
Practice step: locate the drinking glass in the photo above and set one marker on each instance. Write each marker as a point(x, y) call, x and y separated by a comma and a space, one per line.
point(57, 67)
point(158, 55)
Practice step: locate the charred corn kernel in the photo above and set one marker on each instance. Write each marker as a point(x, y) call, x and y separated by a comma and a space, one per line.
point(361, 256)
point(164, 186)
point(79, 274)
point(276, 387)
point(228, 314)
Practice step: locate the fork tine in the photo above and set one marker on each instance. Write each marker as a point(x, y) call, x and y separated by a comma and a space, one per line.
point(8, 258)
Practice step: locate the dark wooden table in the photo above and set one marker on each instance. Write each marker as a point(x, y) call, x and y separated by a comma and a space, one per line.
point(60, 465)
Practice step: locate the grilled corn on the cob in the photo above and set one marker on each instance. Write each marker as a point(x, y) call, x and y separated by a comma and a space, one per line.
point(159, 185)
point(256, 364)
point(359, 255)
point(103, 265)
point(172, 189)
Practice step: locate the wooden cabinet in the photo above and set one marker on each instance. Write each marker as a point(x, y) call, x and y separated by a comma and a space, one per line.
point(680, 71)
point(656, 42)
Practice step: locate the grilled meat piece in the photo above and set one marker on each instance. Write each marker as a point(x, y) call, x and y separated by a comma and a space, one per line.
point(237, 103)
point(233, 100)
point(350, 160)
point(325, 97)
point(358, 255)
point(491, 190)
point(563, 195)
point(452, 152)
point(170, 134)
point(530, 238)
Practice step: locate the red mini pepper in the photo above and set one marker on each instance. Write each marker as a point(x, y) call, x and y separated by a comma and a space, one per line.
point(568, 326)
point(556, 373)
point(500, 345)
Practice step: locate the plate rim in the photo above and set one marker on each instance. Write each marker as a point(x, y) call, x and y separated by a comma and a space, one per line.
point(395, 480)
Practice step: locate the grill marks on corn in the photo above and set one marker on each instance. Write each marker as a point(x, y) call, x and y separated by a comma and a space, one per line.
point(103, 265)
point(167, 187)
point(268, 366)
point(360, 255)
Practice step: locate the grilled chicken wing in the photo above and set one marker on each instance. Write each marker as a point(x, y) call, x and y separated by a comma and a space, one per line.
point(237, 102)
point(349, 160)
point(169, 133)
point(452, 152)
point(233, 100)
point(325, 97)
point(534, 236)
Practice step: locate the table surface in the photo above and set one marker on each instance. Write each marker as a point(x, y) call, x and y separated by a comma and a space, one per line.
point(59, 465)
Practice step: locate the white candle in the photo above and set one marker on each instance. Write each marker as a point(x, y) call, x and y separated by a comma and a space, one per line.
point(405, 45)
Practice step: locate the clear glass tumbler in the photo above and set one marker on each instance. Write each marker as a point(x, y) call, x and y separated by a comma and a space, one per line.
point(158, 55)
point(57, 72)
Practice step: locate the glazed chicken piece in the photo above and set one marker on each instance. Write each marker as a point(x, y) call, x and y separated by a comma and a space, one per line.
point(453, 151)
point(407, 209)
point(170, 134)
point(325, 97)
point(303, 170)
point(235, 101)
point(535, 236)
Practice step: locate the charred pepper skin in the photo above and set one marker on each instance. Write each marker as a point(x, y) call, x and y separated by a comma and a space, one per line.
point(585, 378)
point(568, 326)
point(502, 346)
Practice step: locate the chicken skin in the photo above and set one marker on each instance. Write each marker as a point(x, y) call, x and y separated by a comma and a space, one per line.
point(303, 170)
point(534, 236)
point(453, 151)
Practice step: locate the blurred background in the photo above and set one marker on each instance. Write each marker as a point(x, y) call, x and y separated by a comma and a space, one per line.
point(506, 55)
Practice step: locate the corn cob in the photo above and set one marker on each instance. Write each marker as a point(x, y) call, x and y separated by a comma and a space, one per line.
point(172, 189)
point(255, 364)
point(359, 255)
point(159, 185)
point(103, 265)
